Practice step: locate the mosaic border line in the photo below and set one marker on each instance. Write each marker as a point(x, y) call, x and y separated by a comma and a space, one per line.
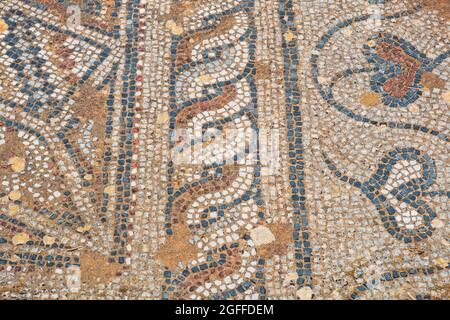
point(296, 159)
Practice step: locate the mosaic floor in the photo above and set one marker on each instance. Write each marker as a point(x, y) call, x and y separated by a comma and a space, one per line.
point(232, 149)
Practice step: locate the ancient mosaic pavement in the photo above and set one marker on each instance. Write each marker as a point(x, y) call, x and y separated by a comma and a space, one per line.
point(232, 149)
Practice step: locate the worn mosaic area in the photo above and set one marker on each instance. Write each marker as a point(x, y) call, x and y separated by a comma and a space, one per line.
point(233, 149)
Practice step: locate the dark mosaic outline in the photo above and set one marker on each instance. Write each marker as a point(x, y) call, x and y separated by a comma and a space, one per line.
point(294, 122)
